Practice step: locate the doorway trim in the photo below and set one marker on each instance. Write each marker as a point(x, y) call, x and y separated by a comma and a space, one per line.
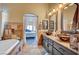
point(24, 24)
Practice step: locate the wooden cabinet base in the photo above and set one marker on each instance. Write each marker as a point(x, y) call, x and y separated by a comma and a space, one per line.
point(40, 41)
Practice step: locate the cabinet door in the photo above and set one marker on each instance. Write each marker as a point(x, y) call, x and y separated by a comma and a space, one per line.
point(50, 49)
point(56, 52)
point(45, 43)
point(51, 46)
point(46, 46)
point(63, 50)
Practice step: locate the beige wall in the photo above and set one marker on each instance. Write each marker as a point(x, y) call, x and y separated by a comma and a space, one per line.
point(16, 11)
point(53, 5)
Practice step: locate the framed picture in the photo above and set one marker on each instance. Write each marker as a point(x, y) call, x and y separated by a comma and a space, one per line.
point(45, 24)
point(51, 25)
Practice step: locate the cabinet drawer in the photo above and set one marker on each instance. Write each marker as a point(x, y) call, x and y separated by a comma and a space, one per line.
point(63, 50)
point(56, 52)
point(51, 42)
point(45, 38)
point(45, 43)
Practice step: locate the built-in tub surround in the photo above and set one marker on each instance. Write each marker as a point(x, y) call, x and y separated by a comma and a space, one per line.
point(62, 43)
point(6, 46)
point(13, 30)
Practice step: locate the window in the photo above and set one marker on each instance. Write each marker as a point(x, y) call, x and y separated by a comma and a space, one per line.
point(29, 27)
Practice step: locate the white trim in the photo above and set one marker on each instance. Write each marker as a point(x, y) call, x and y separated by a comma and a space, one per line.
point(36, 26)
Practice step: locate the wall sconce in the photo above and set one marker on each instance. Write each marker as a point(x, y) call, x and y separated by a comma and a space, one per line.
point(64, 3)
point(50, 14)
point(61, 5)
point(65, 7)
point(71, 4)
point(54, 10)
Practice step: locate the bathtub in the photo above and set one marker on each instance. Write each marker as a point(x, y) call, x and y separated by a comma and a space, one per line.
point(7, 46)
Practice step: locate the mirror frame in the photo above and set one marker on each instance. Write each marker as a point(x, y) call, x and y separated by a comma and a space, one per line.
point(55, 13)
point(43, 25)
point(62, 18)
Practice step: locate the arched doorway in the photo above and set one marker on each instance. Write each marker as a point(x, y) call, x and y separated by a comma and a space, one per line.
point(30, 29)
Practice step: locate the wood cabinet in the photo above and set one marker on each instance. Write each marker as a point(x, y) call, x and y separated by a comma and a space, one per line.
point(54, 48)
point(48, 45)
point(51, 43)
point(56, 52)
point(63, 50)
point(40, 38)
point(45, 43)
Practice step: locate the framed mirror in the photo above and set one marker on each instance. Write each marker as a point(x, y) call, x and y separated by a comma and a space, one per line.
point(45, 24)
point(67, 17)
point(53, 22)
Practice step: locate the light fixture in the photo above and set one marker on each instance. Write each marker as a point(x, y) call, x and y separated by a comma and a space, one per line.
point(60, 6)
point(54, 10)
point(71, 4)
point(57, 9)
point(50, 14)
point(64, 3)
point(65, 7)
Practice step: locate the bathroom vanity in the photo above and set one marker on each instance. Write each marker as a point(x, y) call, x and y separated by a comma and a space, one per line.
point(54, 46)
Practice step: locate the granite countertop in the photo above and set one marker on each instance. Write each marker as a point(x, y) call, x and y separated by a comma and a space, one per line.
point(65, 44)
point(6, 46)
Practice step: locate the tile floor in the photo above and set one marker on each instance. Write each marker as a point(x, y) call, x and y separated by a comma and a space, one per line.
point(31, 48)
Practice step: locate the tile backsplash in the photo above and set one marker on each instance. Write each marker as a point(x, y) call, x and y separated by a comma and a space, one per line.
point(17, 28)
